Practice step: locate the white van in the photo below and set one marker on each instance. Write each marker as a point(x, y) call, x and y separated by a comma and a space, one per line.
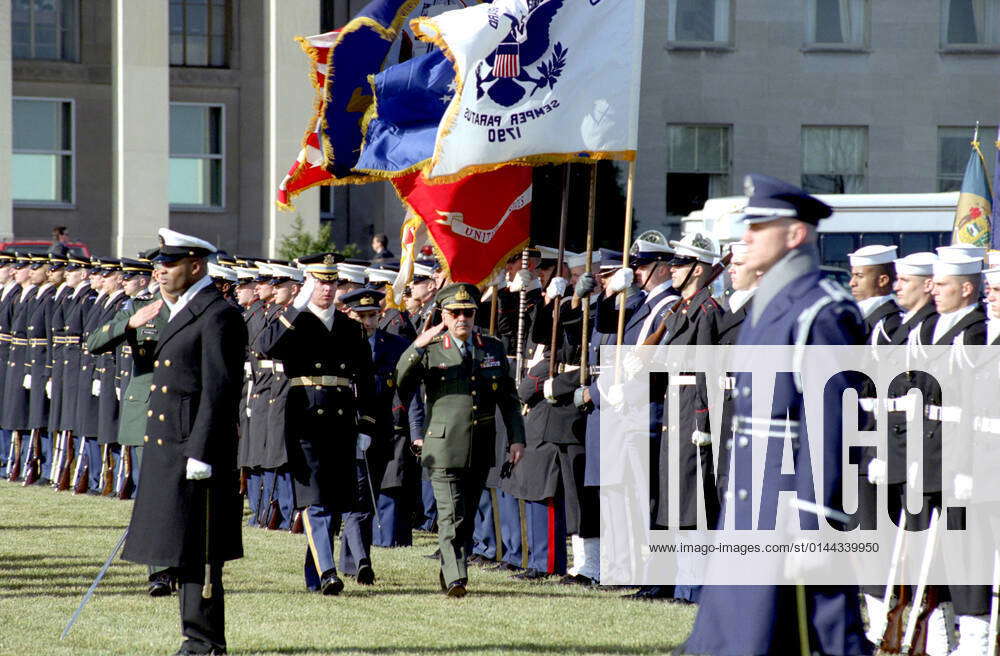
point(912, 222)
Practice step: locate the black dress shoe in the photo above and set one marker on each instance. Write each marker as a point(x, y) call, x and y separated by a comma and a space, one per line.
point(191, 647)
point(530, 575)
point(330, 584)
point(577, 579)
point(161, 584)
point(456, 590)
point(504, 566)
point(482, 561)
point(434, 556)
point(650, 593)
point(366, 575)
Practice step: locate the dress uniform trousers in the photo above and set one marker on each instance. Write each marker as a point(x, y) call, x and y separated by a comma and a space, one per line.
point(394, 529)
point(356, 536)
point(321, 525)
point(485, 535)
point(457, 493)
point(546, 522)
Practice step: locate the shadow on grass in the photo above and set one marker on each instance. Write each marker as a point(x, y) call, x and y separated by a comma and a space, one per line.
point(475, 649)
point(63, 527)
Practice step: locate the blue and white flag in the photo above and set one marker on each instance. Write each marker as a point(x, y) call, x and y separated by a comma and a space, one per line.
point(538, 81)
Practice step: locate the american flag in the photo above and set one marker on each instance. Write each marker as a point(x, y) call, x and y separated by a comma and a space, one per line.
point(507, 62)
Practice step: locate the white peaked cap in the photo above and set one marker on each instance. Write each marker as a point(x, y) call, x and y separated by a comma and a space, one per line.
point(697, 246)
point(961, 250)
point(180, 240)
point(917, 264)
point(992, 276)
point(265, 269)
point(873, 255)
point(244, 274)
point(580, 259)
point(351, 273)
point(284, 271)
point(422, 270)
point(548, 253)
point(225, 273)
point(993, 259)
point(381, 275)
point(739, 249)
point(957, 265)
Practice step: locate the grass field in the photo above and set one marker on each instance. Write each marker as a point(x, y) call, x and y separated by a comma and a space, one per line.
point(51, 546)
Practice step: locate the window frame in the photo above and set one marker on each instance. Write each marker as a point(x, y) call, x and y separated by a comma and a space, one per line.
point(188, 207)
point(226, 35)
point(962, 48)
point(810, 45)
point(51, 204)
point(73, 32)
point(728, 164)
point(802, 153)
point(991, 131)
point(728, 45)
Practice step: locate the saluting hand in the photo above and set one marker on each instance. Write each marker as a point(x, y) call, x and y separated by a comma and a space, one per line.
point(426, 337)
point(145, 314)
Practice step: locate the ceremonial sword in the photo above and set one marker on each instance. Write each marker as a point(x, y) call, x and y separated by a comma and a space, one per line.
point(93, 586)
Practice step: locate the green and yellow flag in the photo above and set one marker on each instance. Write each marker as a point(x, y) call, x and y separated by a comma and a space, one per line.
point(972, 216)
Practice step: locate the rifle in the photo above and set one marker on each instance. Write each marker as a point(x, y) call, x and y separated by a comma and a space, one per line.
point(892, 639)
point(268, 507)
point(57, 455)
point(656, 336)
point(63, 477)
point(107, 472)
point(297, 528)
point(14, 469)
point(81, 474)
point(126, 487)
point(919, 645)
point(34, 459)
point(244, 479)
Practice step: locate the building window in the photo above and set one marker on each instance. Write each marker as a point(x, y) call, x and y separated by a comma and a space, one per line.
point(42, 163)
point(699, 22)
point(44, 29)
point(197, 153)
point(970, 23)
point(834, 159)
point(698, 166)
point(954, 148)
point(198, 32)
point(833, 23)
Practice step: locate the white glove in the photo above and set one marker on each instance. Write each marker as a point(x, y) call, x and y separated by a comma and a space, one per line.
point(557, 287)
point(578, 399)
point(547, 391)
point(198, 470)
point(364, 441)
point(620, 279)
point(302, 298)
point(616, 395)
point(701, 438)
point(501, 281)
point(632, 364)
point(877, 472)
point(521, 281)
point(963, 487)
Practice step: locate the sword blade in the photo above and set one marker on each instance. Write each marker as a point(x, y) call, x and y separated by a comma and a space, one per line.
point(93, 586)
point(371, 489)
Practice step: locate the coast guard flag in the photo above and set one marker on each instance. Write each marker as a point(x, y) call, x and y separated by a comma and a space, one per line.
point(995, 219)
point(537, 81)
point(972, 216)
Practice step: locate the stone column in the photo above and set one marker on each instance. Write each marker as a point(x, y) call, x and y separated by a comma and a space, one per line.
point(288, 100)
point(6, 120)
point(140, 80)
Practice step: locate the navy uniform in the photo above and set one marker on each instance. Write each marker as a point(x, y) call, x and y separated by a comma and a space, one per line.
point(76, 316)
point(187, 513)
point(330, 406)
point(7, 296)
point(106, 378)
point(465, 383)
point(755, 619)
point(250, 448)
point(56, 347)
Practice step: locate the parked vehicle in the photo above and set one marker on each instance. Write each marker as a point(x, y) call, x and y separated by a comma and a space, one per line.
point(39, 246)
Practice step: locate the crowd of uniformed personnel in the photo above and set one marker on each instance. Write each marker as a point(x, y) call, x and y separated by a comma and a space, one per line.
point(467, 412)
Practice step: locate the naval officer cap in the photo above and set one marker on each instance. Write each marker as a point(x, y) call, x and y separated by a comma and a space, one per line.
point(916, 264)
point(647, 252)
point(610, 261)
point(769, 199)
point(57, 261)
point(957, 265)
point(132, 268)
point(322, 266)
point(961, 250)
point(175, 246)
point(873, 255)
point(458, 296)
point(221, 273)
point(992, 276)
point(363, 300)
point(284, 273)
point(110, 265)
point(695, 247)
point(38, 260)
point(739, 249)
point(378, 276)
point(348, 272)
point(580, 259)
point(245, 275)
point(421, 272)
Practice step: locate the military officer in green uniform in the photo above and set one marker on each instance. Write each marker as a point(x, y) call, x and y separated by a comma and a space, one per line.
point(136, 326)
point(466, 378)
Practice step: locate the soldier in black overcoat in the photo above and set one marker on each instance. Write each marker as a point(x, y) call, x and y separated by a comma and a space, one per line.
point(187, 513)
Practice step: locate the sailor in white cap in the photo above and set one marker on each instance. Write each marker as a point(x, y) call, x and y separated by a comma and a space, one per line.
point(187, 513)
point(960, 251)
point(350, 276)
point(872, 275)
point(225, 280)
point(992, 276)
point(957, 283)
point(245, 286)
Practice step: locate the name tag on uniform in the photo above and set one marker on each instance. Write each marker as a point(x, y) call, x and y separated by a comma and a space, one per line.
point(26, 383)
point(148, 331)
point(488, 362)
point(95, 387)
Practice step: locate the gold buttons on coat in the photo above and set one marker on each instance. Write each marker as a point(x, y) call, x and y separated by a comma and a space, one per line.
point(318, 365)
point(166, 363)
point(320, 411)
point(159, 442)
point(162, 418)
point(152, 388)
point(340, 411)
point(156, 363)
point(164, 389)
point(145, 438)
point(149, 413)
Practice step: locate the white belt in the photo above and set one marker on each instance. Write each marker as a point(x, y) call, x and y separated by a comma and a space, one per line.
point(727, 382)
point(266, 364)
point(567, 368)
point(246, 367)
point(279, 367)
point(678, 381)
point(987, 424)
point(868, 404)
point(901, 404)
point(949, 413)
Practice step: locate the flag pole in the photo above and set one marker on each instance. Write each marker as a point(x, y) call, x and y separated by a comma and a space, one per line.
point(557, 302)
point(629, 199)
point(522, 308)
point(588, 268)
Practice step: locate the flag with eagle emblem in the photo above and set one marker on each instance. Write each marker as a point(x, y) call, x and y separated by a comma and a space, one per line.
point(972, 216)
point(537, 81)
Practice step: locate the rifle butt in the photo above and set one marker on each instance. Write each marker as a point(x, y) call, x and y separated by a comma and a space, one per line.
point(64, 480)
point(892, 639)
point(297, 527)
point(14, 470)
point(273, 516)
point(919, 646)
